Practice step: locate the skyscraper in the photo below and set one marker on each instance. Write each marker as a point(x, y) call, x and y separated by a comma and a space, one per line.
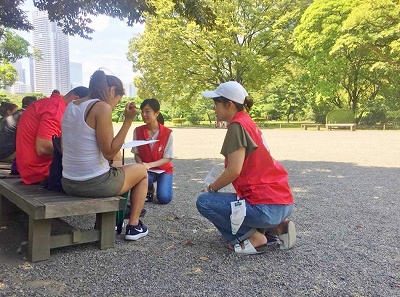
point(51, 71)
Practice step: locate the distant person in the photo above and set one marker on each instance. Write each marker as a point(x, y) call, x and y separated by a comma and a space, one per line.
point(36, 127)
point(6, 109)
point(89, 145)
point(257, 213)
point(8, 130)
point(156, 156)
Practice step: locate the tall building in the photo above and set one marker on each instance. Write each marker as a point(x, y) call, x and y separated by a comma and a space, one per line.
point(20, 86)
point(51, 71)
point(75, 70)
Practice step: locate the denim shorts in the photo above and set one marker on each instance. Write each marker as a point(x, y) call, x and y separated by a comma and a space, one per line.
point(106, 185)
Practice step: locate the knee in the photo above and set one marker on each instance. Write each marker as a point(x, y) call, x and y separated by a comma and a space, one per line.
point(162, 199)
point(201, 203)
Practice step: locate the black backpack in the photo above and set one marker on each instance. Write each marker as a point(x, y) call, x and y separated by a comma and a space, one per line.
point(53, 181)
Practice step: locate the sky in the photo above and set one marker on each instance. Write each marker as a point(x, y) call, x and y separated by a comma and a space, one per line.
point(107, 49)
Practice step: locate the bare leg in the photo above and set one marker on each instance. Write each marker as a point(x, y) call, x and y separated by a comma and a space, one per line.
point(138, 196)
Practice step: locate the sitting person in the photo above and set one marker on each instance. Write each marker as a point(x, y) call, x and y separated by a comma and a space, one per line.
point(263, 198)
point(8, 130)
point(156, 156)
point(87, 128)
point(6, 109)
point(37, 125)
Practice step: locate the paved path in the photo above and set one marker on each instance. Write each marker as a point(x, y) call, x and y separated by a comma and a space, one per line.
point(347, 193)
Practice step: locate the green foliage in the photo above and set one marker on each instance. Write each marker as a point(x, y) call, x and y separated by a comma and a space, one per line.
point(352, 50)
point(178, 121)
point(73, 16)
point(178, 59)
point(340, 116)
point(8, 75)
point(118, 112)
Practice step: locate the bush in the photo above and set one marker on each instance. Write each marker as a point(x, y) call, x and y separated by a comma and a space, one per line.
point(340, 116)
point(194, 119)
point(178, 121)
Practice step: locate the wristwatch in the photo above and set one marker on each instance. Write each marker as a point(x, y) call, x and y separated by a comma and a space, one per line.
point(210, 190)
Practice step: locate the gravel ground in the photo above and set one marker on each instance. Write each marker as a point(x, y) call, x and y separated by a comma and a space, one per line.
point(346, 186)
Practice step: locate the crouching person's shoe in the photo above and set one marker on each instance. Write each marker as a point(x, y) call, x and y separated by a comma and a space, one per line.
point(136, 232)
point(288, 237)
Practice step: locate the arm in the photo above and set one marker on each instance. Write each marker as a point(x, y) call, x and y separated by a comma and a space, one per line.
point(156, 163)
point(44, 147)
point(138, 159)
point(108, 144)
point(232, 171)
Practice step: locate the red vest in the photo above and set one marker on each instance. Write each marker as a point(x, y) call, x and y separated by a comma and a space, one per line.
point(150, 155)
point(262, 180)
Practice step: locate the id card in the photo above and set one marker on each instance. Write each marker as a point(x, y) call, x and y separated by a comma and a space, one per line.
point(238, 212)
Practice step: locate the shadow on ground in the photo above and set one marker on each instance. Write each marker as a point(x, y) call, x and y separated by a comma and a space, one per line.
point(347, 223)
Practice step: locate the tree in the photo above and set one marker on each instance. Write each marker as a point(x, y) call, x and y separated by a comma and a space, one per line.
point(250, 43)
point(74, 16)
point(12, 48)
point(351, 47)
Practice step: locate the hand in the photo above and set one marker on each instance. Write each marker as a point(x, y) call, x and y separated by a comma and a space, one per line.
point(147, 165)
point(131, 111)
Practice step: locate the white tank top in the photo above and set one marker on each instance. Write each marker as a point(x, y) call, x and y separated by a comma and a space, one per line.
point(82, 158)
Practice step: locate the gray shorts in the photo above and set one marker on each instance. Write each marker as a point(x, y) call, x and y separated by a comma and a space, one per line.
point(105, 185)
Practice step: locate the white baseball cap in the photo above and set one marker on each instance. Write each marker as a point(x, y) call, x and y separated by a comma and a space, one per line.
point(231, 90)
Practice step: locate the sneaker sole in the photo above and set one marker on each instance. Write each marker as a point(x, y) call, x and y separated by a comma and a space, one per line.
point(137, 236)
point(288, 239)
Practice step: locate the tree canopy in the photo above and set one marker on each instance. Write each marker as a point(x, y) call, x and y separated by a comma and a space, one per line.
point(250, 43)
point(75, 16)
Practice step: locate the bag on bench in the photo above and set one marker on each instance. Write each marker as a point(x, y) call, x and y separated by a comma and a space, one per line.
point(53, 181)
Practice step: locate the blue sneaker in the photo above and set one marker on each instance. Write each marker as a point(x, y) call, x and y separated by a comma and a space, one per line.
point(136, 232)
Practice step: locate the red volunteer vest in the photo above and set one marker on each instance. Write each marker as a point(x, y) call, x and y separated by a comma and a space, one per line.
point(262, 180)
point(150, 155)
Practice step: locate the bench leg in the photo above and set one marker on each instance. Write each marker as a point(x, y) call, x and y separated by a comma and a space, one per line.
point(39, 239)
point(318, 128)
point(7, 210)
point(106, 222)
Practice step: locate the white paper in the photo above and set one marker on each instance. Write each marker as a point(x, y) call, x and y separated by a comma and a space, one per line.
point(158, 171)
point(238, 209)
point(213, 174)
point(136, 143)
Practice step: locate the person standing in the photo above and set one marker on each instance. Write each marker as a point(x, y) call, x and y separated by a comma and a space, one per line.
point(255, 215)
point(157, 156)
point(36, 127)
point(87, 128)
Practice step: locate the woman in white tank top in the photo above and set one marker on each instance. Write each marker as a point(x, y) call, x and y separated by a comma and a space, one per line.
point(89, 146)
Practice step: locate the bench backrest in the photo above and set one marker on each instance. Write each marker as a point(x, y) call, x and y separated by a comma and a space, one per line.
point(340, 116)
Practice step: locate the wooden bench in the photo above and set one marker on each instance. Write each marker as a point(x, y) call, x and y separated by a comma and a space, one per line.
point(351, 126)
point(305, 126)
point(42, 206)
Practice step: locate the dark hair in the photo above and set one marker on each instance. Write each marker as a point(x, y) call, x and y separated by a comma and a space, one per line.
point(80, 91)
point(100, 82)
point(56, 92)
point(28, 100)
point(152, 102)
point(6, 106)
point(248, 103)
point(154, 105)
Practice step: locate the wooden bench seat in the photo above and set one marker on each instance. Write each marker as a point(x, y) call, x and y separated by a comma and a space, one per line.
point(305, 126)
point(42, 206)
point(352, 126)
